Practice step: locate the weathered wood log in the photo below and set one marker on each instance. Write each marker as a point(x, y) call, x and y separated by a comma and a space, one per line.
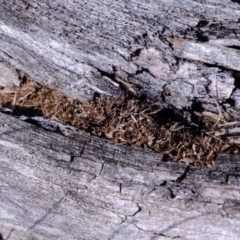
point(71, 185)
point(77, 186)
point(189, 49)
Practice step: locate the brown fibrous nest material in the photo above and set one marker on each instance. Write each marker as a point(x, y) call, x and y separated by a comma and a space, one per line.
point(123, 119)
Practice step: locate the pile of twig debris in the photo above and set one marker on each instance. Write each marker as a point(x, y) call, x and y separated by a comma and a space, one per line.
point(124, 119)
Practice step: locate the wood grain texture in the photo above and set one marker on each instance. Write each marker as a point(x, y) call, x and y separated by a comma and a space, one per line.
point(57, 182)
point(81, 48)
point(70, 185)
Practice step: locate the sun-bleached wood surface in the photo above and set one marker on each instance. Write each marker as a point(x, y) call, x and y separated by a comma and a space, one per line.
point(70, 185)
point(189, 49)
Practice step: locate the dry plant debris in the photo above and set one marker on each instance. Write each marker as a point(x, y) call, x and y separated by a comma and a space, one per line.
point(124, 119)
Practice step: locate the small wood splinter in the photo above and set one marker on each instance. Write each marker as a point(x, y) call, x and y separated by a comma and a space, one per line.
point(220, 114)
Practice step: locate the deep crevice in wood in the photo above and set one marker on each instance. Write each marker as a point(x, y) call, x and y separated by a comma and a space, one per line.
point(186, 145)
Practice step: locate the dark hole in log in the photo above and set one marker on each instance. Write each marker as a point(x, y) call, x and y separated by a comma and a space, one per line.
point(236, 1)
point(230, 101)
point(136, 53)
point(164, 183)
point(202, 23)
point(234, 47)
point(96, 95)
point(197, 106)
point(202, 38)
point(165, 158)
point(236, 76)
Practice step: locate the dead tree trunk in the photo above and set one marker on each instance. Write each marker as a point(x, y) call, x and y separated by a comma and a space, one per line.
point(183, 54)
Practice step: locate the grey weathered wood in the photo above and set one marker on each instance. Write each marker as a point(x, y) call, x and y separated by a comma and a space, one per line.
point(82, 47)
point(76, 186)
